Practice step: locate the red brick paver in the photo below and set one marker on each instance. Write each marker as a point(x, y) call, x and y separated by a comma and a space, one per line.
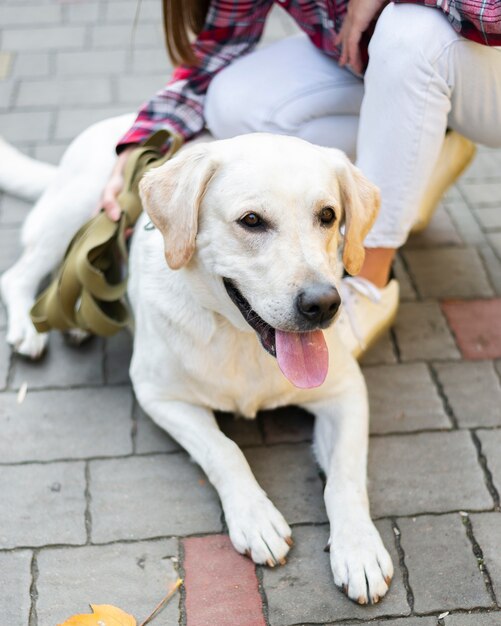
point(221, 585)
point(476, 325)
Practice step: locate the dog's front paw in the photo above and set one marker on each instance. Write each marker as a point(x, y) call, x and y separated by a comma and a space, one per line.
point(259, 530)
point(360, 563)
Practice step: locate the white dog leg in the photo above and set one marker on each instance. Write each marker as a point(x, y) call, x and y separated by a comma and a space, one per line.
point(360, 563)
point(255, 526)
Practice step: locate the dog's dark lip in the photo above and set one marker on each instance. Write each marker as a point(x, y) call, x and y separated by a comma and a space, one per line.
point(265, 332)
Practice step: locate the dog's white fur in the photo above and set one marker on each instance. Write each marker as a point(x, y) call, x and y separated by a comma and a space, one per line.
point(193, 351)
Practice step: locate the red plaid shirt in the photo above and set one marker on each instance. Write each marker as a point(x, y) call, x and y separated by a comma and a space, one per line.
point(234, 27)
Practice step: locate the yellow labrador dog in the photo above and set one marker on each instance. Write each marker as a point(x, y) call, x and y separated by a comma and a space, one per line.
point(235, 300)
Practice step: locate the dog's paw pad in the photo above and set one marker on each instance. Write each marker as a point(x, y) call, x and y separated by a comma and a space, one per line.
point(360, 563)
point(259, 530)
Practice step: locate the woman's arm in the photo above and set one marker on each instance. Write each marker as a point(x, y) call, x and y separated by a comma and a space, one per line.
point(231, 29)
point(476, 20)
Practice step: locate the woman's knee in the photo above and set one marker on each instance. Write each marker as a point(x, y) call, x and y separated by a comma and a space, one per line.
point(406, 36)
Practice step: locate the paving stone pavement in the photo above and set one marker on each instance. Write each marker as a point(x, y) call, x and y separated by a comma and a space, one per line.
point(97, 505)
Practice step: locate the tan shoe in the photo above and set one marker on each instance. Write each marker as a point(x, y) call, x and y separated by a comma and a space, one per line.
point(367, 313)
point(457, 153)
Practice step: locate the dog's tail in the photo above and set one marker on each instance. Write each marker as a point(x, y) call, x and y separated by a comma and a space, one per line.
point(21, 175)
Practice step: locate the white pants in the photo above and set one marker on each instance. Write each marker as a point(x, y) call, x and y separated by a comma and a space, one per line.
point(422, 78)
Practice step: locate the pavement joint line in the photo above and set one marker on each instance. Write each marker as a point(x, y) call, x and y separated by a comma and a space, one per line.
point(395, 348)
point(479, 556)
point(250, 446)
point(104, 361)
point(182, 590)
point(489, 482)
point(33, 617)
point(443, 396)
point(88, 501)
point(410, 275)
point(262, 592)
point(402, 564)
point(134, 426)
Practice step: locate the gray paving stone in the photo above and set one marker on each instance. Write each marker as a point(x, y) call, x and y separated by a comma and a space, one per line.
point(449, 273)
point(304, 592)
point(466, 224)
point(44, 38)
point(118, 352)
point(29, 15)
point(15, 599)
point(382, 353)
point(489, 218)
point(3, 316)
point(82, 12)
point(425, 473)
point(443, 571)
point(31, 64)
point(71, 122)
point(244, 432)
point(42, 504)
point(13, 211)
point(473, 391)
point(90, 62)
point(407, 291)
point(487, 532)
point(422, 333)
point(26, 126)
point(125, 11)
point(151, 61)
point(495, 241)
point(154, 496)
point(492, 263)
point(62, 366)
point(491, 445)
point(4, 360)
point(50, 153)
point(64, 92)
point(474, 619)
point(10, 247)
point(134, 577)
point(116, 36)
point(289, 475)
point(440, 232)
point(481, 193)
point(137, 89)
point(485, 166)
point(149, 437)
point(6, 95)
point(415, 406)
point(67, 424)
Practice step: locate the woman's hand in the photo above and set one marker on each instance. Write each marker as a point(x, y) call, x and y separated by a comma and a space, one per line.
point(359, 15)
point(115, 185)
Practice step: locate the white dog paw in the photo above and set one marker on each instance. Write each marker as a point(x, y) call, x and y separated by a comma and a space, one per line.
point(76, 337)
point(31, 344)
point(259, 530)
point(360, 563)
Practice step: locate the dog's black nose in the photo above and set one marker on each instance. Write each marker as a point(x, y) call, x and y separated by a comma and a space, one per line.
point(318, 303)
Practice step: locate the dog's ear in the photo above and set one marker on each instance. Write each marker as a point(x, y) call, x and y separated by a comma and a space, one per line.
point(361, 201)
point(172, 194)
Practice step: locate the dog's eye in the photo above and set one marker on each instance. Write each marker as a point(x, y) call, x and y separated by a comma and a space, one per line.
point(252, 220)
point(327, 216)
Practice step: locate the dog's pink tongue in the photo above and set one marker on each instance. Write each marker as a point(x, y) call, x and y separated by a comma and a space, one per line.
point(302, 357)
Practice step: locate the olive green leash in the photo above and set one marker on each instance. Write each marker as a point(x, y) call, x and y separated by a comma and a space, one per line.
point(88, 291)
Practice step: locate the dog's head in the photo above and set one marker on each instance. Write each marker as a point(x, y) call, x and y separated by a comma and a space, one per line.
point(261, 216)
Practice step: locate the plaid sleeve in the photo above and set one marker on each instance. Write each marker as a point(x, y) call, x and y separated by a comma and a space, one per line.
point(232, 28)
point(477, 20)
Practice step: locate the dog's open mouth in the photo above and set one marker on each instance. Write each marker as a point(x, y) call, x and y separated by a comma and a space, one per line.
point(302, 357)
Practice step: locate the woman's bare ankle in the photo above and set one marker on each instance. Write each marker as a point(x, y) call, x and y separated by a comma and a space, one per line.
point(377, 265)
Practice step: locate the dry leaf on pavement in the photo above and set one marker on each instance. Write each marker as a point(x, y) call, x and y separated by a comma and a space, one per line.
point(102, 615)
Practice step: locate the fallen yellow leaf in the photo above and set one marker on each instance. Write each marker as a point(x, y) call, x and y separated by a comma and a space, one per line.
point(102, 615)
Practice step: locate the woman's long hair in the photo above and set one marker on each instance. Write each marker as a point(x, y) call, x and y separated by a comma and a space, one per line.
point(183, 18)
